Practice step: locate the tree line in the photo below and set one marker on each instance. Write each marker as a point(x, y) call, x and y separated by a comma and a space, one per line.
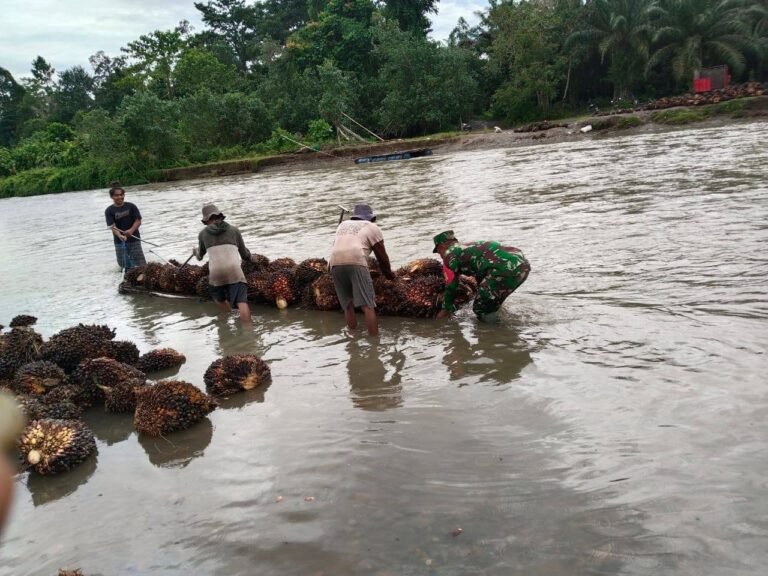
point(259, 71)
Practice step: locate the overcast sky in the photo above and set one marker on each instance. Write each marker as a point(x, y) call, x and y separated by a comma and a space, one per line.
point(67, 32)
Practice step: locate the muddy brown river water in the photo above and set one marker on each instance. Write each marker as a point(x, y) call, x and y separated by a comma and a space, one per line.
point(613, 421)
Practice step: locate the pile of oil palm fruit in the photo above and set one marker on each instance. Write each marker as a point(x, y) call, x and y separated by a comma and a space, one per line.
point(53, 381)
point(416, 291)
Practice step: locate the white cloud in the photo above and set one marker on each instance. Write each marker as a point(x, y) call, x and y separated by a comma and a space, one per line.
point(449, 12)
point(67, 32)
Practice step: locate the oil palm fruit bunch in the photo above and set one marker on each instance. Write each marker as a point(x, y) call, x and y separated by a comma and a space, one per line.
point(307, 299)
point(309, 270)
point(93, 374)
point(325, 293)
point(282, 289)
point(167, 278)
point(51, 446)
point(201, 288)
point(187, 279)
point(63, 393)
point(121, 397)
point(257, 263)
point(73, 345)
point(19, 346)
point(170, 405)
point(135, 276)
point(123, 351)
point(36, 408)
point(258, 285)
point(422, 295)
point(282, 263)
point(38, 377)
point(234, 373)
point(421, 267)
point(390, 295)
point(152, 274)
point(22, 320)
point(160, 359)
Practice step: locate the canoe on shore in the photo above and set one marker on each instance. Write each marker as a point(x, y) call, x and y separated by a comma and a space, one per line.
point(404, 155)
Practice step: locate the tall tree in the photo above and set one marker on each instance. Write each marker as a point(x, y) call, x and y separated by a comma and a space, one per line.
point(153, 58)
point(621, 32)
point(234, 22)
point(692, 34)
point(411, 15)
point(73, 94)
point(39, 87)
point(11, 111)
point(526, 48)
point(342, 34)
point(112, 81)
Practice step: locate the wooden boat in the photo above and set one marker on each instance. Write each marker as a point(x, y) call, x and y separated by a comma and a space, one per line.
point(126, 288)
point(404, 155)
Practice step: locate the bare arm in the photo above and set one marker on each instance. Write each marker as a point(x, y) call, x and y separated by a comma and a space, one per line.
point(134, 227)
point(383, 258)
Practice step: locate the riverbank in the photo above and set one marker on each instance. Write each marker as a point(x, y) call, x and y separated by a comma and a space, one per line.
point(531, 134)
point(53, 180)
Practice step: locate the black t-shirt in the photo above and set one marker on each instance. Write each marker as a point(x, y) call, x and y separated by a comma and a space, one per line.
point(124, 217)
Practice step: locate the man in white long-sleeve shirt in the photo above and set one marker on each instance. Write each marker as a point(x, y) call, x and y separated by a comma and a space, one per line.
point(225, 248)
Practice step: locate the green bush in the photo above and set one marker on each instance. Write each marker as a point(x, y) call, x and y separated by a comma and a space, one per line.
point(319, 131)
point(679, 117)
point(629, 122)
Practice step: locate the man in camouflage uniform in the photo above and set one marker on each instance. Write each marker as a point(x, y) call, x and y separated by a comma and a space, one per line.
point(499, 271)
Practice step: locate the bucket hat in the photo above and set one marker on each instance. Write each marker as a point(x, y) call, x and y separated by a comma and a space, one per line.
point(210, 210)
point(443, 237)
point(363, 212)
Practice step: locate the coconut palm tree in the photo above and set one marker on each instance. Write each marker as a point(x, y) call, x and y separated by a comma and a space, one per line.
point(620, 31)
point(692, 34)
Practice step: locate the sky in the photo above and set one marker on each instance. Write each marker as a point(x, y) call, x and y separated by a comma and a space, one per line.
point(67, 32)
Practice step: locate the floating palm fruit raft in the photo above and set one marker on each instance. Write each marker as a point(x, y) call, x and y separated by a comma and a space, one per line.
point(416, 291)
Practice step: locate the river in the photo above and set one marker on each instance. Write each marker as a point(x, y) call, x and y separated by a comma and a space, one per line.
point(612, 421)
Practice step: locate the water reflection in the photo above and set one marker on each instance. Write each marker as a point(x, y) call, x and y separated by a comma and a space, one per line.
point(374, 375)
point(45, 489)
point(177, 450)
point(479, 352)
point(107, 427)
point(241, 399)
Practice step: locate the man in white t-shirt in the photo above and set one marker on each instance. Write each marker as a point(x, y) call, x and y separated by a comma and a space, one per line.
point(355, 239)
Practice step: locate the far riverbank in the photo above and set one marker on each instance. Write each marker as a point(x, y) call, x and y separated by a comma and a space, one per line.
point(532, 134)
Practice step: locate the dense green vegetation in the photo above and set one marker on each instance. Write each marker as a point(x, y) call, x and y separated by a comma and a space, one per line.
point(260, 73)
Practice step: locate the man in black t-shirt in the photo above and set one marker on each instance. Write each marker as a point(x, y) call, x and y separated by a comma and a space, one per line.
point(124, 218)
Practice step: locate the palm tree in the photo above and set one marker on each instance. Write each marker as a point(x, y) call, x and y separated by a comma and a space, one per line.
point(620, 30)
point(756, 14)
point(692, 34)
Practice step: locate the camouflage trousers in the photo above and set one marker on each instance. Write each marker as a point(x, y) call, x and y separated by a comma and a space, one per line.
point(497, 286)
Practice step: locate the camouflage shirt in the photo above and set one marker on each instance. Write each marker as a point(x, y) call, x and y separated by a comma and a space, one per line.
point(478, 259)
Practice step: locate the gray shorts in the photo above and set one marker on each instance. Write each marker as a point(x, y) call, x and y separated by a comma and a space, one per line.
point(353, 284)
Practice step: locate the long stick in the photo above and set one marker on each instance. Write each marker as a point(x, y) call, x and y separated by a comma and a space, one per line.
point(135, 237)
point(341, 216)
point(307, 147)
point(364, 128)
point(185, 263)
